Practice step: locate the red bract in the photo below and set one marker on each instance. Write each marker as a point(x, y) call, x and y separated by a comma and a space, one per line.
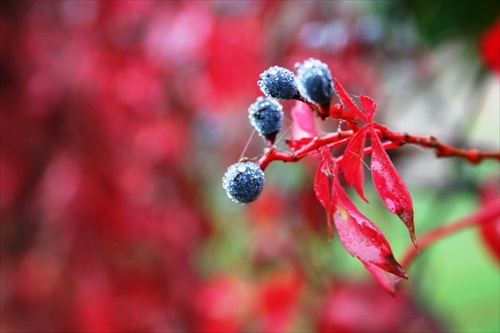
point(360, 236)
point(390, 186)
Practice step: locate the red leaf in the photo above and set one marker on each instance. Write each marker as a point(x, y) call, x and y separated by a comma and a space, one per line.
point(360, 236)
point(347, 101)
point(323, 188)
point(368, 105)
point(352, 162)
point(303, 122)
point(390, 186)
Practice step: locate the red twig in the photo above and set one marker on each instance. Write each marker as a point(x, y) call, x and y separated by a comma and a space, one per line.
point(332, 140)
point(394, 140)
point(486, 213)
point(442, 150)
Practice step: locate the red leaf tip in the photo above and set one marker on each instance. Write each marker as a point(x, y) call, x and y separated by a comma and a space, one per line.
point(407, 217)
point(396, 268)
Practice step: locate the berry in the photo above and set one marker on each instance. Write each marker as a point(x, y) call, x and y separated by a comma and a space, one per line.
point(278, 82)
point(266, 116)
point(314, 81)
point(243, 182)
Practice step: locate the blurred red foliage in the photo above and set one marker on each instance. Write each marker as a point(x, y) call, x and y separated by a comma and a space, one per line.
point(489, 46)
point(358, 307)
point(105, 108)
point(490, 230)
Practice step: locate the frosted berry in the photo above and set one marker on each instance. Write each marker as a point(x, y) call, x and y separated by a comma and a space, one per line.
point(314, 81)
point(266, 116)
point(243, 182)
point(278, 82)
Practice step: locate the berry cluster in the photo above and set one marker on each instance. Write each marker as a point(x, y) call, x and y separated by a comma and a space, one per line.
point(313, 84)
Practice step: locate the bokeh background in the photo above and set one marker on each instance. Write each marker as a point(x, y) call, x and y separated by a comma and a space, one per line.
point(119, 118)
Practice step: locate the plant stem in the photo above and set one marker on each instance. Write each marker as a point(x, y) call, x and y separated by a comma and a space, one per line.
point(483, 215)
point(394, 140)
point(474, 156)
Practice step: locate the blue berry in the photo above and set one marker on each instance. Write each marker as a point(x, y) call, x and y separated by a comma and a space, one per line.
point(243, 182)
point(278, 82)
point(314, 81)
point(266, 116)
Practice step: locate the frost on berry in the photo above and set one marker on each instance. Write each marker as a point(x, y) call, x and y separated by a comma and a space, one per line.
point(314, 81)
point(279, 83)
point(266, 116)
point(243, 182)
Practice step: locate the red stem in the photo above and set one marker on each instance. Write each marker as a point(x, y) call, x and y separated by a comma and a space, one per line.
point(486, 213)
point(395, 140)
point(332, 140)
point(474, 156)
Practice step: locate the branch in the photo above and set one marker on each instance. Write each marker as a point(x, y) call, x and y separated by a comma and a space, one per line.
point(474, 156)
point(485, 214)
point(394, 140)
point(332, 140)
